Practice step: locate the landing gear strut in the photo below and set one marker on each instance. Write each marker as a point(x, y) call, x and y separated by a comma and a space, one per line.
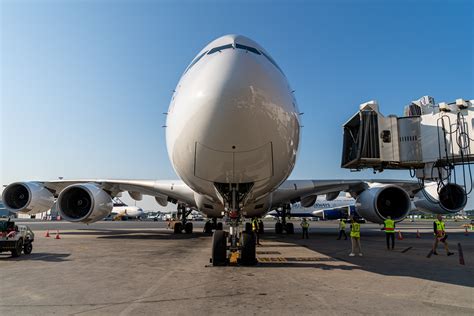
point(183, 223)
point(282, 225)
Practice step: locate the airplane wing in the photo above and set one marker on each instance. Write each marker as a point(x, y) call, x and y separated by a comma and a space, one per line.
point(292, 191)
point(164, 191)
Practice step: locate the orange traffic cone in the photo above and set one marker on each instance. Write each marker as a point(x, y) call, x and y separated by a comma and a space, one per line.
point(400, 237)
point(466, 233)
point(57, 235)
point(418, 234)
point(47, 234)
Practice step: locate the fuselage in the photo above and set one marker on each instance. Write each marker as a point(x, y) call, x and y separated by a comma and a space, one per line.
point(233, 119)
point(129, 211)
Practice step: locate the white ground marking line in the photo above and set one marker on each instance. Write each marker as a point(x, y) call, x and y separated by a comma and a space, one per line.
point(156, 285)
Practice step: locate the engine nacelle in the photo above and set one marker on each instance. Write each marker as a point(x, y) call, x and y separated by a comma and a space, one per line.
point(85, 203)
point(308, 201)
point(27, 197)
point(450, 199)
point(380, 201)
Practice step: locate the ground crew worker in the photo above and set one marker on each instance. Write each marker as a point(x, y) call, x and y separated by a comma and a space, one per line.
point(355, 238)
point(260, 226)
point(255, 229)
point(305, 225)
point(440, 235)
point(342, 229)
point(389, 227)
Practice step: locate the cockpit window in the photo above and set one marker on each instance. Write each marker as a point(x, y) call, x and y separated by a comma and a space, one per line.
point(195, 61)
point(247, 48)
point(272, 61)
point(219, 48)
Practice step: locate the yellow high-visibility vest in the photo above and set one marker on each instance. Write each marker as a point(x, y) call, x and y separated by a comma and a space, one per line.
point(389, 226)
point(355, 230)
point(439, 228)
point(305, 224)
point(342, 225)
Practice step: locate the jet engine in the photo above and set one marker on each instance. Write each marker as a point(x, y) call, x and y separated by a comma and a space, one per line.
point(308, 201)
point(451, 198)
point(85, 203)
point(27, 197)
point(380, 201)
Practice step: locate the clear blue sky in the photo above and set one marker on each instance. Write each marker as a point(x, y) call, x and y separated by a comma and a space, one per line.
point(84, 83)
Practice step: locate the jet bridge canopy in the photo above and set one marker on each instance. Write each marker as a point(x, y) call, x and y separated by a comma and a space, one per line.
point(428, 137)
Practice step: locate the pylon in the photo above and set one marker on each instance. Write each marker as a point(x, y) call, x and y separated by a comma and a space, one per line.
point(418, 234)
point(57, 235)
point(47, 234)
point(400, 237)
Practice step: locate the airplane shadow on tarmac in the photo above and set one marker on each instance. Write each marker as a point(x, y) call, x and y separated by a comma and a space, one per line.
point(411, 263)
point(141, 234)
point(39, 256)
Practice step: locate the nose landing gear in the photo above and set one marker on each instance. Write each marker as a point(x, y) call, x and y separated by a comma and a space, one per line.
point(236, 246)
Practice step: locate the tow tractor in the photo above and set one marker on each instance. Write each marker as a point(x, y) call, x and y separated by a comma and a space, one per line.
point(15, 238)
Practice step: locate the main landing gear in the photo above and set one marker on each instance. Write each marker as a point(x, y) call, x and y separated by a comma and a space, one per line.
point(235, 246)
point(281, 225)
point(212, 225)
point(182, 222)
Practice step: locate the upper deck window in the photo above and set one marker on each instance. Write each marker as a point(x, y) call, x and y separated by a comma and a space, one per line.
point(195, 61)
point(247, 48)
point(219, 48)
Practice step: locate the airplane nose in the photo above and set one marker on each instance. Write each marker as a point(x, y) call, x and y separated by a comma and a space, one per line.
point(245, 104)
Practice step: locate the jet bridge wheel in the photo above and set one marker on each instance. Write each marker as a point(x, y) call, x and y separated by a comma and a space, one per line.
point(219, 248)
point(18, 248)
point(247, 253)
point(188, 228)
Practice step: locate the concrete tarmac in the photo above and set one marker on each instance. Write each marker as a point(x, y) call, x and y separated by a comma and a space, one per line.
point(128, 268)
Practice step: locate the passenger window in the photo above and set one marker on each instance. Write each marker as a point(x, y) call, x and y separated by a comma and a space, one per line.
point(219, 48)
point(247, 48)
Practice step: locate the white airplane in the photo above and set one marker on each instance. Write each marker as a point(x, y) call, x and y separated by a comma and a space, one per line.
point(120, 210)
point(341, 207)
point(233, 134)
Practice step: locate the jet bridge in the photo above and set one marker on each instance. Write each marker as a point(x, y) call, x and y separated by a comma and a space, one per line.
point(430, 140)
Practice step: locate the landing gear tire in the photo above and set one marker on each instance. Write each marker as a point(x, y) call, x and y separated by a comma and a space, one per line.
point(177, 228)
point(248, 253)
point(219, 248)
point(261, 227)
point(219, 226)
point(28, 248)
point(188, 228)
point(248, 227)
point(18, 248)
point(278, 228)
point(290, 228)
point(208, 228)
